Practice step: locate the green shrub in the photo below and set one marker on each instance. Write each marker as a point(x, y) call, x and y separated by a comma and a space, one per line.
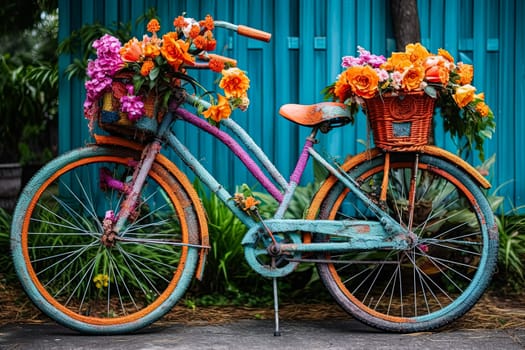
point(6, 264)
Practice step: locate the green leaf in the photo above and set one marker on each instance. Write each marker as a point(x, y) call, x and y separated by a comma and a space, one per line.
point(154, 73)
point(138, 81)
point(431, 91)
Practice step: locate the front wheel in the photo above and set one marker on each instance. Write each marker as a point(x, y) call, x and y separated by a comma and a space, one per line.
point(80, 279)
point(442, 275)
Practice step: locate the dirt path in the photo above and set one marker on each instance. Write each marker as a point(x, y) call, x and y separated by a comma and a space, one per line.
point(491, 312)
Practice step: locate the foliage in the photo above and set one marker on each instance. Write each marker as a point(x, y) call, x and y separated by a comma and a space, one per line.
point(6, 265)
point(29, 90)
point(23, 14)
point(512, 245)
point(464, 112)
point(226, 273)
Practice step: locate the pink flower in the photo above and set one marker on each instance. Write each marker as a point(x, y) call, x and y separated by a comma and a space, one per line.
point(364, 58)
point(372, 60)
point(350, 61)
point(132, 104)
point(383, 74)
point(100, 71)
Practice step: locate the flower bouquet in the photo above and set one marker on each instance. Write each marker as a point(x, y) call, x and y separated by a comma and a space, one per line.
point(405, 88)
point(136, 82)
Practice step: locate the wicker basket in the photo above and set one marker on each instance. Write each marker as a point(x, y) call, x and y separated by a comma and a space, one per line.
point(400, 122)
point(116, 122)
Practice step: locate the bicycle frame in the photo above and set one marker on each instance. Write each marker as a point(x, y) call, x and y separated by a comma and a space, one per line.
point(377, 232)
point(384, 233)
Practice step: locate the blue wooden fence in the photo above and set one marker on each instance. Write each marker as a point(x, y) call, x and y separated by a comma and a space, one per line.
point(309, 37)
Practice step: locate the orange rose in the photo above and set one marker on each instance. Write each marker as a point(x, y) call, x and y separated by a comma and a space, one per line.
point(437, 74)
point(445, 54)
point(416, 52)
point(234, 82)
point(363, 80)
point(465, 72)
point(342, 89)
point(412, 78)
point(175, 51)
point(464, 95)
point(221, 110)
point(397, 61)
point(436, 70)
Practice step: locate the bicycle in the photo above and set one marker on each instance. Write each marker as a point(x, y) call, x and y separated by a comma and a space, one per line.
point(404, 241)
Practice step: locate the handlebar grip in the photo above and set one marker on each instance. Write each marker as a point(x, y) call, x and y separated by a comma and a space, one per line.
point(253, 33)
point(231, 61)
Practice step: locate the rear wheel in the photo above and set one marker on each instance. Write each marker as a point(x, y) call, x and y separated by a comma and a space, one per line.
point(432, 283)
point(76, 276)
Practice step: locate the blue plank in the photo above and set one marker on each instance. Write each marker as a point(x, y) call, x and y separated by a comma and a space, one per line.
point(305, 55)
point(519, 95)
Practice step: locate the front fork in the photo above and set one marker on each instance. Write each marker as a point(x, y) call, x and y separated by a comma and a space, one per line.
point(113, 224)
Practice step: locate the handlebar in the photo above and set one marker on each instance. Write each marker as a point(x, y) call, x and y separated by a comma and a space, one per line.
point(245, 31)
point(253, 33)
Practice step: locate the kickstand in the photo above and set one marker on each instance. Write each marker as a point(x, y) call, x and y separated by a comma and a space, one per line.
point(277, 332)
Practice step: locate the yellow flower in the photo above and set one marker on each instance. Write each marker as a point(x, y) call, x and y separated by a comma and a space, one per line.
point(101, 280)
point(221, 110)
point(234, 83)
point(464, 95)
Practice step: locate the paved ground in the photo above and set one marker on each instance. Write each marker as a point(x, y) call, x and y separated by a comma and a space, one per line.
point(258, 334)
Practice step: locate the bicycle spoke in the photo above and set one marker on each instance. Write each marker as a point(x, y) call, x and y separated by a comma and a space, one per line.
point(397, 288)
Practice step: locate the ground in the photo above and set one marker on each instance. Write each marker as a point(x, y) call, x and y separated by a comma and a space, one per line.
point(491, 312)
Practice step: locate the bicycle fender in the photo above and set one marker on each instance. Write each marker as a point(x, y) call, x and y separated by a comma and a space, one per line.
point(372, 153)
point(203, 238)
point(460, 163)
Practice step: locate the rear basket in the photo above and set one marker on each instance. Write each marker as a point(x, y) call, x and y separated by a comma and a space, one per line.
point(400, 122)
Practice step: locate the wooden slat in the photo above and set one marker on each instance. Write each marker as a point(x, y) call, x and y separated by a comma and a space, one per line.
point(305, 55)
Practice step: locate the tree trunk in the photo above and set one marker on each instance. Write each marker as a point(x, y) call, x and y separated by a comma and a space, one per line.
point(406, 22)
